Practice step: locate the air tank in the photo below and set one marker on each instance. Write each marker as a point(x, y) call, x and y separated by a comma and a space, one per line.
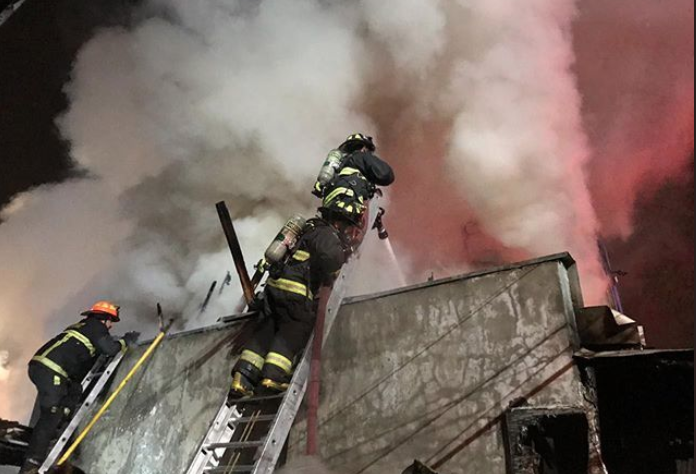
point(331, 166)
point(286, 240)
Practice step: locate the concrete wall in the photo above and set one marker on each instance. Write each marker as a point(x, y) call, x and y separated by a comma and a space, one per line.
point(417, 373)
point(158, 421)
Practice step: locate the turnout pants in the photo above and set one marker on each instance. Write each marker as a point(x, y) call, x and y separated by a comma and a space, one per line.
point(58, 398)
point(288, 322)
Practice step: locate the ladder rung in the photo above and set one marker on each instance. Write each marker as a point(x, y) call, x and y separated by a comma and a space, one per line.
point(235, 445)
point(248, 419)
point(244, 401)
point(91, 378)
point(226, 470)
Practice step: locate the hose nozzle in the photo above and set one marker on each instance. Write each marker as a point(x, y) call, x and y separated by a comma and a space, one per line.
point(379, 225)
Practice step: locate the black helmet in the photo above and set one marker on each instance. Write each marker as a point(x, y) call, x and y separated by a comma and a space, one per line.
point(334, 213)
point(356, 142)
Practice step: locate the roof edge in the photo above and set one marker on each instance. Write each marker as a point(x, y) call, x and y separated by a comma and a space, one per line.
point(629, 353)
point(224, 323)
point(565, 258)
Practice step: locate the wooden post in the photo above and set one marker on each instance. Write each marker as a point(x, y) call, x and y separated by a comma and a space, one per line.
point(236, 249)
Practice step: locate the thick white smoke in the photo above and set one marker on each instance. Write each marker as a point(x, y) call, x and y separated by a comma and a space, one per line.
point(517, 145)
point(239, 101)
point(55, 241)
point(195, 104)
point(500, 81)
point(222, 101)
point(4, 371)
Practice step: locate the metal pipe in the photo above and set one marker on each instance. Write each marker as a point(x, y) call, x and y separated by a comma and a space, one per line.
point(208, 297)
point(235, 318)
point(236, 249)
point(314, 387)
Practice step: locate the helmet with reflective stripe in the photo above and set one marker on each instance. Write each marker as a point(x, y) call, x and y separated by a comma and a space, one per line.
point(335, 212)
point(104, 309)
point(356, 142)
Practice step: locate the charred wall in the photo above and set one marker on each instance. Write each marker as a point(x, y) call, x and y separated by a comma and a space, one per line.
point(428, 372)
point(646, 411)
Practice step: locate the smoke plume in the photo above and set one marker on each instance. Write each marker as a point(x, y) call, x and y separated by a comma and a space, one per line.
point(475, 103)
point(637, 58)
point(496, 122)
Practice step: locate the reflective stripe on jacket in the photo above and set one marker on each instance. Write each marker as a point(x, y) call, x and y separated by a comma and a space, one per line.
point(73, 352)
point(356, 182)
point(318, 257)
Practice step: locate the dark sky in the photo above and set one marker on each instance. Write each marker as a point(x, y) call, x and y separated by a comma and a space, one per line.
point(659, 259)
point(34, 64)
point(37, 48)
point(5, 3)
point(38, 45)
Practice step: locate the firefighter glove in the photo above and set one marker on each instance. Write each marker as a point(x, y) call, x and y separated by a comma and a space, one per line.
point(258, 303)
point(131, 338)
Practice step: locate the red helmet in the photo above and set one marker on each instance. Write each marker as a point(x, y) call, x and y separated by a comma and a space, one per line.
point(104, 308)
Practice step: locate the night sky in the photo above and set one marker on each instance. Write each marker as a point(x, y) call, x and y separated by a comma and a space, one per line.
point(34, 64)
point(38, 45)
point(37, 48)
point(4, 3)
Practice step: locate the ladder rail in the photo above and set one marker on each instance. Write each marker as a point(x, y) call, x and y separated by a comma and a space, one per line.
point(224, 420)
point(280, 428)
point(84, 409)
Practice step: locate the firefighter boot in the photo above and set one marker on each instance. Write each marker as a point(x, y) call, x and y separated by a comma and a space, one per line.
point(246, 375)
point(276, 373)
point(274, 386)
point(241, 386)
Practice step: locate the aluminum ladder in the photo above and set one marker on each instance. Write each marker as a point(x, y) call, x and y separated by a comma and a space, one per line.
point(97, 378)
point(248, 435)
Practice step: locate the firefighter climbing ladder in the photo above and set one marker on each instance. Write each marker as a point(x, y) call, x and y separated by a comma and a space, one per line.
point(247, 414)
point(101, 372)
point(225, 450)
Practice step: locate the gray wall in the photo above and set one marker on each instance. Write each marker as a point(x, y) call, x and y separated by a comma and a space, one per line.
point(415, 374)
point(157, 422)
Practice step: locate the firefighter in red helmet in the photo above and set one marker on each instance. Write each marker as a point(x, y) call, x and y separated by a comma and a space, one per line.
point(57, 370)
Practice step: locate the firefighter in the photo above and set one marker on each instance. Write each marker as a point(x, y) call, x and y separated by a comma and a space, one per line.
point(58, 369)
point(289, 309)
point(350, 176)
